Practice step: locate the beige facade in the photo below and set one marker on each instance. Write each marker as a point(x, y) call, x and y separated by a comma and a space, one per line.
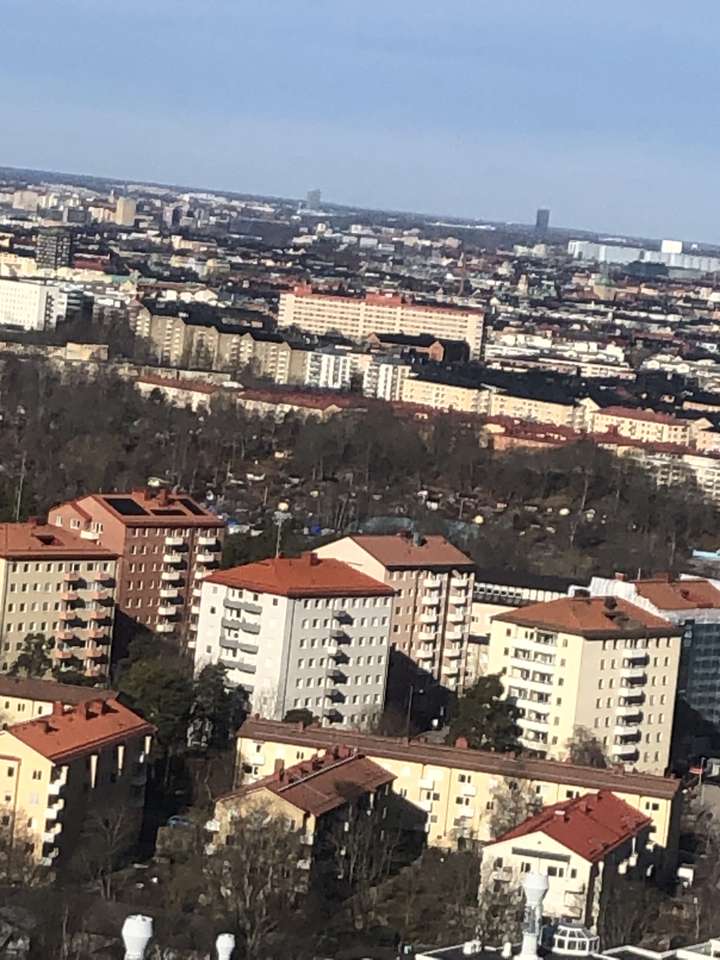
point(440, 396)
point(433, 582)
point(455, 788)
point(58, 773)
point(357, 318)
point(646, 426)
point(178, 342)
point(27, 698)
point(55, 584)
point(619, 683)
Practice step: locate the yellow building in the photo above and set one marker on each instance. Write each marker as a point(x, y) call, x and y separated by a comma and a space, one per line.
point(25, 698)
point(441, 396)
point(60, 772)
point(599, 663)
point(455, 787)
point(59, 584)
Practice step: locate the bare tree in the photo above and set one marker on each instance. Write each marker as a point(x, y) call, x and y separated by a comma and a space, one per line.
point(512, 802)
point(499, 914)
point(106, 836)
point(362, 848)
point(255, 878)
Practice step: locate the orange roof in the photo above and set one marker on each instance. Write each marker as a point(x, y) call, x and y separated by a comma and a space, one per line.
point(41, 540)
point(590, 826)
point(400, 550)
point(67, 734)
point(324, 782)
point(304, 576)
point(679, 594)
point(591, 617)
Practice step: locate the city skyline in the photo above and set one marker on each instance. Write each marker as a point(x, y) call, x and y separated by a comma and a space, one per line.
point(480, 113)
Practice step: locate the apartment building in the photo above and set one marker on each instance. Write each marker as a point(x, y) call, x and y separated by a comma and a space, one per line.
point(61, 585)
point(586, 847)
point(441, 396)
point(357, 318)
point(302, 633)
point(182, 339)
point(433, 584)
point(384, 377)
point(599, 663)
point(644, 425)
point(692, 604)
point(32, 305)
point(455, 787)
point(26, 698)
point(166, 544)
point(499, 591)
point(319, 798)
point(61, 772)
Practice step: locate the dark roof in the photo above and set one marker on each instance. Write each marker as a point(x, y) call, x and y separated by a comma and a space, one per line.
point(49, 691)
point(535, 581)
point(496, 764)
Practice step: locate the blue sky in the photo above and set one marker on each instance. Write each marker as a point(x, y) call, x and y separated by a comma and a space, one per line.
point(605, 111)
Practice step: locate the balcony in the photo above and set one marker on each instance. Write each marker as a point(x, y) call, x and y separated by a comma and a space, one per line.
point(165, 628)
point(339, 636)
point(456, 617)
point(71, 577)
point(254, 609)
point(67, 616)
point(58, 654)
point(633, 677)
point(459, 583)
point(69, 596)
point(195, 609)
point(173, 558)
point(167, 610)
point(197, 592)
point(432, 583)
point(231, 604)
point(335, 695)
point(627, 752)
point(453, 634)
point(332, 715)
point(227, 644)
point(624, 737)
point(94, 653)
point(206, 557)
point(631, 700)
point(342, 616)
point(98, 614)
point(174, 541)
point(430, 601)
point(101, 596)
point(208, 541)
point(169, 593)
point(336, 676)
point(428, 618)
point(468, 790)
point(639, 659)
point(96, 671)
point(170, 576)
point(98, 635)
point(453, 653)
point(67, 635)
point(425, 653)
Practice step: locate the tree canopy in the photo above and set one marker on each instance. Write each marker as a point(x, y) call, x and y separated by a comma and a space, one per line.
point(485, 719)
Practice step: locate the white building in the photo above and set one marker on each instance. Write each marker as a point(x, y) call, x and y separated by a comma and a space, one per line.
point(300, 633)
point(31, 305)
point(331, 368)
point(125, 210)
point(384, 377)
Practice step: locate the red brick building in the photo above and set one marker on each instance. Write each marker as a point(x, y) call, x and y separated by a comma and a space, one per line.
point(166, 544)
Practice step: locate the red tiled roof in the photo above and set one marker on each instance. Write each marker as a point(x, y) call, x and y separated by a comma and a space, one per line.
point(679, 594)
point(66, 734)
point(590, 826)
point(401, 551)
point(496, 764)
point(304, 576)
point(323, 783)
point(591, 617)
point(41, 540)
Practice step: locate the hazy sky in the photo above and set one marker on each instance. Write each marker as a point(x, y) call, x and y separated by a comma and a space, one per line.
point(606, 111)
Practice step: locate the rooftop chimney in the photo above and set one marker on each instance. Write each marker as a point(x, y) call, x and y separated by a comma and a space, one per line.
point(57, 709)
point(136, 933)
point(313, 559)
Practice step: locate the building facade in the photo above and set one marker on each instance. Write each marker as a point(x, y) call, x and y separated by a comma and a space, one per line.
point(455, 787)
point(600, 664)
point(357, 318)
point(166, 544)
point(54, 249)
point(304, 633)
point(62, 586)
point(26, 698)
point(63, 772)
point(433, 584)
